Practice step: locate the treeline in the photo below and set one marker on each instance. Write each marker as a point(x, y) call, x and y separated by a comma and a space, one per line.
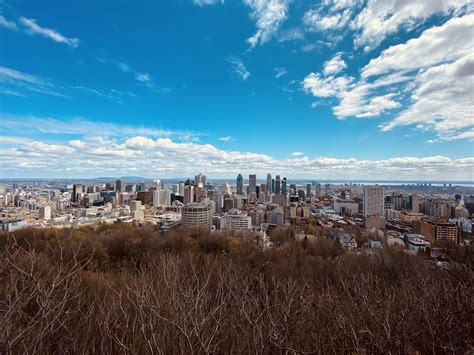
point(120, 289)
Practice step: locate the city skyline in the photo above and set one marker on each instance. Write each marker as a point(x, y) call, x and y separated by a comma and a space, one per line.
point(306, 90)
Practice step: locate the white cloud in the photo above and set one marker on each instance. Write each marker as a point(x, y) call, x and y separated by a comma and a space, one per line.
point(226, 139)
point(297, 154)
point(316, 20)
point(18, 83)
point(34, 28)
point(435, 45)
point(335, 65)
point(163, 156)
point(433, 73)
point(124, 67)
point(279, 72)
point(381, 18)
point(81, 126)
point(143, 77)
point(318, 86)
point(7, 24)
point(269, 15)
point(207, 2)
point(443, 100)
point(239, 67)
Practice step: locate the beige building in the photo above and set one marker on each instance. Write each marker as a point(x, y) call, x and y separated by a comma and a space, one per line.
point(196, 215)
point(439, 231)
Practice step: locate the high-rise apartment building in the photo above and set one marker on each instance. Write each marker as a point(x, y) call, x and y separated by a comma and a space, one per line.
point(373, 201)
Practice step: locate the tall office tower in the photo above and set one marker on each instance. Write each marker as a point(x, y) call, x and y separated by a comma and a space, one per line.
point(308, 190)
point(218, 199)
point(317, 189)
point(373, 201)
point(277, 185)
point(119, 186)
point(181, 188)
point(273, 185)
point(142, 186)
point(175, 188)
point(269, 183)
point(77, 190)
point(188, 194)
point(200, 180)
point(284, 189)
point(240, 184)
point(252, 183)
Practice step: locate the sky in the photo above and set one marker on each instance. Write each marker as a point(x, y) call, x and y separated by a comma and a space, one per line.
point(348, 89)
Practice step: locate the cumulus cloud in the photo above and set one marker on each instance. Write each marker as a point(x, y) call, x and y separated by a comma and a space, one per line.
point(297, 154)
point(381, 18)
point(166, 157)
point(239, 67)
point(436, 45)
point(335, 65)
point(432, 73)
point(443, 100)
point(33, 28)
point(269, 15)
point(320, 86)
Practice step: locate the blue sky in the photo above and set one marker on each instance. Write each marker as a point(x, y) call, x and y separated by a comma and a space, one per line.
point(368, 89)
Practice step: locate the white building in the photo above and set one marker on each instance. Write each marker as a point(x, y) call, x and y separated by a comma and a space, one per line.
point(235, 220)
point(374, 201)
point(161, 198)
point(45, 213)
point(197, 215)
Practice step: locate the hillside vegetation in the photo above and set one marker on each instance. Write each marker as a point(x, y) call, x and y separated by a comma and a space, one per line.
point(121, 289)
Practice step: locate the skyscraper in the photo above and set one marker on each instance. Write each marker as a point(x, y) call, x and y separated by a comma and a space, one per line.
point(277, 185)
point(252, 183)
point(240, 184)
point(308, 190)
point(119, 186)
point(200, 179)
point(77, 191)
point(269, 183)
point(284, 189)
